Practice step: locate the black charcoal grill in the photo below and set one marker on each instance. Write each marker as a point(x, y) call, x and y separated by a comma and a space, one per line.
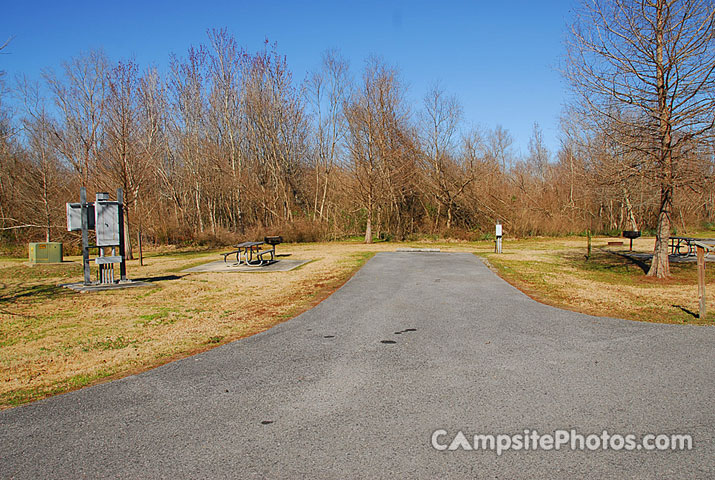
point(273, 241)
point(631, 234)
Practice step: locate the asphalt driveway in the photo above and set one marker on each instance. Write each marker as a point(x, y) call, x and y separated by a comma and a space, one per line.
point(356, 387)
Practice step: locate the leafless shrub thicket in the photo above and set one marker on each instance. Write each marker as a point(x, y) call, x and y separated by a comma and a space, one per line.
point(229, 145)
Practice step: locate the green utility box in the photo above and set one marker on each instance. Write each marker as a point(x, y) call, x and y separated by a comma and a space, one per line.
point(46, 252)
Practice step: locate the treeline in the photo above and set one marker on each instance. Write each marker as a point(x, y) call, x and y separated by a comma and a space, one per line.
point(229, 145)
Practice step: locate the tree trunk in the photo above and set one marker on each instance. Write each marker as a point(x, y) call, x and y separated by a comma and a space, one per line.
point(317, 192)
point(127, 237)
point(436, 220)
point(197, 198)
point(660, 266)
point(239, 211)
point(48, 220)
point(368, 227)
point(325, 195)
point(629, 210)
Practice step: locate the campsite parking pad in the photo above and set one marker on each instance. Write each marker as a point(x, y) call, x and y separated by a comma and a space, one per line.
point(324, 395)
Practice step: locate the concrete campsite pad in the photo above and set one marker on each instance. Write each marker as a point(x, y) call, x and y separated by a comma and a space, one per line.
point(221, 266)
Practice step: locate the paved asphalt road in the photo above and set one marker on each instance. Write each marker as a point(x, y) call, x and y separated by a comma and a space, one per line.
point(321, 396)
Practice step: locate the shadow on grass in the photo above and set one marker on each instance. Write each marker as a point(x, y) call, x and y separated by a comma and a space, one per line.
point(689, 312)
point(38, 292)
point(633, 260)
point(159, 279)
point(603, 260)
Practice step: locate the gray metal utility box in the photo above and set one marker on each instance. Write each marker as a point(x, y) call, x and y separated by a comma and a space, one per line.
point(107, 224)
point(74, 217)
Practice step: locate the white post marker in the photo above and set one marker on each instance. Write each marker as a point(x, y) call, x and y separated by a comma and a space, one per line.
point(497, 244)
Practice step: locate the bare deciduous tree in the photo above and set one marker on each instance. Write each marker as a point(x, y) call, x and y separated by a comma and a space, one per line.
point(188, 125)
point(80, 97)
point(124, 161)
point(378, 141)
point(329, 89)
point(226, 66)
point(40, 185)
point(644, 71)
point(440, 123)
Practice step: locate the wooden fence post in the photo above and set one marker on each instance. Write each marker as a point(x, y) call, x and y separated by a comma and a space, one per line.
point(701, 283)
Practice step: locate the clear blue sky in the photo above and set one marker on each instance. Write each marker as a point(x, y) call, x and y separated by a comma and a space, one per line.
point(499, 58)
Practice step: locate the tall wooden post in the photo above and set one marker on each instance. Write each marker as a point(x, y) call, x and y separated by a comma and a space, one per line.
point(701, 282)
point(139, 242)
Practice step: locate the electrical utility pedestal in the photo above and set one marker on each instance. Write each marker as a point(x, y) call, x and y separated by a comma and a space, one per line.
point(106, 218)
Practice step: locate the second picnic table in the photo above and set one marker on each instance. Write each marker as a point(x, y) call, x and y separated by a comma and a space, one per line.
point(685, 246)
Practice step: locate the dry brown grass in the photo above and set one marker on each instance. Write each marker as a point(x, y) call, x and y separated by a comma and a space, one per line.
point(53, 340)
point(556, 272)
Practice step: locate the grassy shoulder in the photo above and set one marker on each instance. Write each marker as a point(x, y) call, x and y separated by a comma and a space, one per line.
point(54, 340)
point(556, 272)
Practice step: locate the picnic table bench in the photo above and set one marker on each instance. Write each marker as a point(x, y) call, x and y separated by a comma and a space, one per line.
point(249, 250)
point(685, 246)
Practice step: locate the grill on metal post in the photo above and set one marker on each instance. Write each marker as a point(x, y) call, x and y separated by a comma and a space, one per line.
point(631, 234)
point(273, 241)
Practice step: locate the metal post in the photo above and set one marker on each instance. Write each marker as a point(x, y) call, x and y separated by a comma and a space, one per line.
point(123, 263)
point(701, 282)
point(85, 234)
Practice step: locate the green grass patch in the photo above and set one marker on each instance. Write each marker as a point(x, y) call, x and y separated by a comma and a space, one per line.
point(18, 397)
point(358, 259)
point(147, 293)
point(161, 316)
